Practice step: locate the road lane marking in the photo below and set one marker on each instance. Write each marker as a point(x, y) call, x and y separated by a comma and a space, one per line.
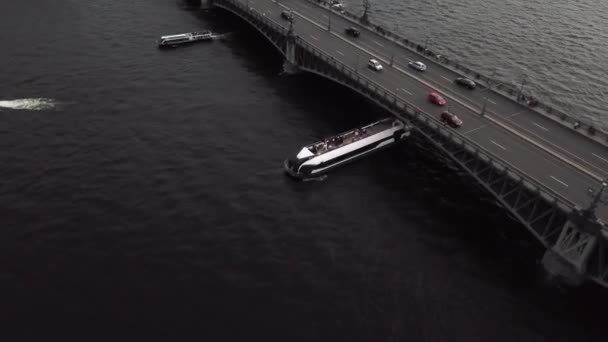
point(559, 181)
point(377, 43)
point(599, 157)
point(541, 127)
point(405, 91)
point(497, 144)
point(492, 102)
point(474, 129)
point(313, 37)
point(447, 79)
point(517, 113)
point(340, 53)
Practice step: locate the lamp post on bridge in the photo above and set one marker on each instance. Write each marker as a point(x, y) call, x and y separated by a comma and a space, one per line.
point(485, 102)
point(585, 219)
point(521, 88)
point(364, 17)
point(290, 32)
point(597, 197)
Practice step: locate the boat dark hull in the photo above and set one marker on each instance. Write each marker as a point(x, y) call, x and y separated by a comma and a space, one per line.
point(174, 45)
point(342, 160)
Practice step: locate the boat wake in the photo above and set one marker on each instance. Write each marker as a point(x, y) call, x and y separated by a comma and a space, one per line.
point(221, 36)
point(315, 179)
point(29, 104)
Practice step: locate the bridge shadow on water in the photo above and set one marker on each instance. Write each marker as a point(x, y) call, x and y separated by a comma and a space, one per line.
point(460, 221)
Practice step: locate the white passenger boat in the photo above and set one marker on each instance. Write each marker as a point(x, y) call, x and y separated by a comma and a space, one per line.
point(184, 38)
point(320, 157)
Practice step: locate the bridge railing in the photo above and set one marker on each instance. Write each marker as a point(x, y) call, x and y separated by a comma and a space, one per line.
point(353, 79)
point(507, 90)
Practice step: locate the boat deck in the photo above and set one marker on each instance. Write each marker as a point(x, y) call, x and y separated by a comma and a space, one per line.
point(349, 137)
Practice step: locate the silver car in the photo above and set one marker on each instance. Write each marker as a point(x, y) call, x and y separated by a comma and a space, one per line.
point(417, 65)
point(374, 64)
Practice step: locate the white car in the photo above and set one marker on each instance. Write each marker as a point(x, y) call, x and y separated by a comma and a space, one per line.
point(374, 64)
point(417, 65)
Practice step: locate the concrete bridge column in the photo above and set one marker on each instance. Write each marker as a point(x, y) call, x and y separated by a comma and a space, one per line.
point(290, 65)
point(568, 257)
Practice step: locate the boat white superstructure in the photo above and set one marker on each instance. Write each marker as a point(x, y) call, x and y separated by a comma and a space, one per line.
point(320, 157)
point(184, 38)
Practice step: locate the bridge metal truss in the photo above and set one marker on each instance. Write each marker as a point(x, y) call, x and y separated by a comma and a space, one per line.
point(546, 214)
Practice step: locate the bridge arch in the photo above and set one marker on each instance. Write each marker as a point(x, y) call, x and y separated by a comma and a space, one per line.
point(274, 37)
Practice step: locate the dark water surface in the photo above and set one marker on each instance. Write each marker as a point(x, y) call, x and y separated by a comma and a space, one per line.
point(142, 198)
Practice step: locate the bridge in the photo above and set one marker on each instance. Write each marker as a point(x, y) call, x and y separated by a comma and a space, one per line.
point(545, 167)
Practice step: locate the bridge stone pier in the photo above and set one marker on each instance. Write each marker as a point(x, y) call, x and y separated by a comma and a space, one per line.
point(575, 239)
point(290, 65)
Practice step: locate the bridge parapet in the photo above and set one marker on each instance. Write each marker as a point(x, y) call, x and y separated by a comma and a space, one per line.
point(545, 213)
point(509, 91)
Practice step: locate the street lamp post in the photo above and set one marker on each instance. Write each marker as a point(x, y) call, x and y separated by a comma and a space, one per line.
point(364, 17)
point(290, 32)
point(483, 108)
point(521, 88)
point(597, 197)
point(485, 102)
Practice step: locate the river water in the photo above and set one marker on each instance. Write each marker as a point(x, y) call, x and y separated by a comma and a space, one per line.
point(142, 196)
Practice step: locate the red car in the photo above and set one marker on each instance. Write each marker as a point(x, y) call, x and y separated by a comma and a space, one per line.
point(436, 99)
point(451, 119)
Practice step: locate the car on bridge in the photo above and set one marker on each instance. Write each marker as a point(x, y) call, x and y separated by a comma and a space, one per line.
point(338, 7)
point(287, 15)
point(436, 99)
point(451, 119)
point(465, 82)
point(351, 31)
point(374, 64)
point(417, 65)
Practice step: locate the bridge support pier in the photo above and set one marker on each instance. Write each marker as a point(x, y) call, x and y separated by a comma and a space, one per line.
point(290, 65)
point(567, 259)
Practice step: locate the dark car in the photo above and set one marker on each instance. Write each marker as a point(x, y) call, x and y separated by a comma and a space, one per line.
point(451, 119)
point(351, 31)
point(463, 81)
point(287, 15)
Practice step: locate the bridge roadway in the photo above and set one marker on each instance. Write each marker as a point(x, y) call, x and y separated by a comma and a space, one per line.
point(564, 161)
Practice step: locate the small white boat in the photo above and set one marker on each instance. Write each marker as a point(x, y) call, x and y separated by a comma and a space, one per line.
point(320, 157)
point(185, 38)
